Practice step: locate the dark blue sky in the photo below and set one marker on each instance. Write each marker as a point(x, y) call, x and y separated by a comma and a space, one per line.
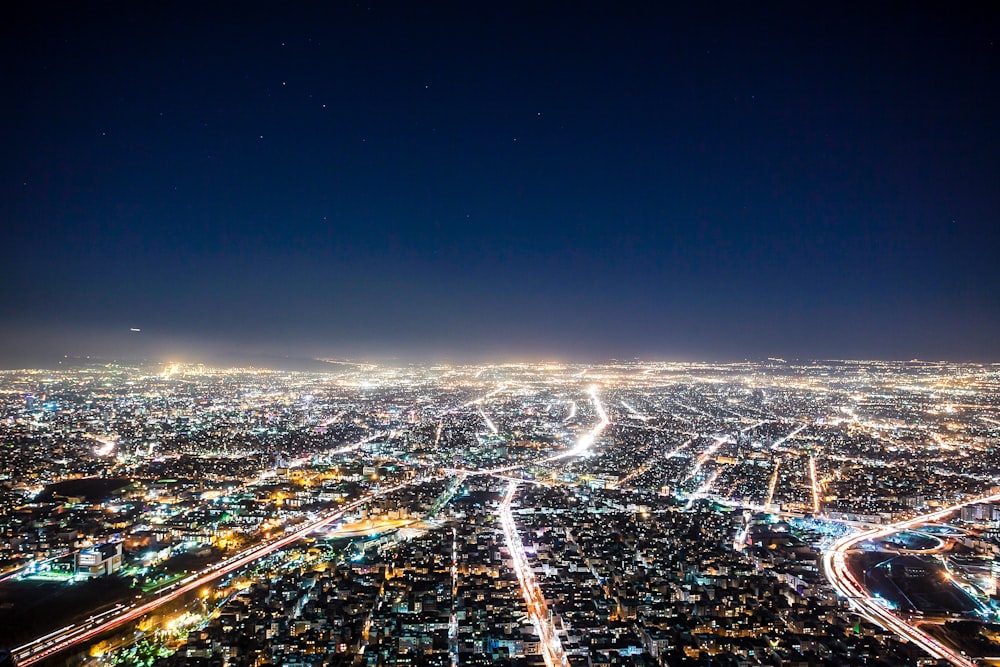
point(571, 180)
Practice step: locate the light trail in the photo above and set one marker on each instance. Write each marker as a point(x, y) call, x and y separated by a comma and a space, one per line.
point(773, 484)
point(572, 412)
point(586, 441)
point(704, 488)
point(814, 484)
point(632, 475)
point(75, 634)
point(552, 650)
point(679, 448)
point(780, 441)
point(353, 446)
point(740, 541)
point(303, 460)
point(755, 425)
point(691, 408)
point(489, 422)
point(334, 419)
point(453, 619)
point(836, 570)
point(704, 456)
point(635, 413)
point(582, 445)
point(483, 399)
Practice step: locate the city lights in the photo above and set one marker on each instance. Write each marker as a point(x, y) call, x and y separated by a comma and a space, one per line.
point(514, 510)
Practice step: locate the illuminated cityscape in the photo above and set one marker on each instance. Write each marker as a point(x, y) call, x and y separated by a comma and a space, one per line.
point(781, 512)
point(409, 333)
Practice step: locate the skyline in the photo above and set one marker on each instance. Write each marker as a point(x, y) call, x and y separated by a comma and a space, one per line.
point(462, 182)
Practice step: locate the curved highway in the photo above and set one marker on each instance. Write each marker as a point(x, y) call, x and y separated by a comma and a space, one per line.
point(835, 567)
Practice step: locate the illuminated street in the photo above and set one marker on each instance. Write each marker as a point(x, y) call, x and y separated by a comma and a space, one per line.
point(510, 334)
point(533, 596)
point(620, 492)
point(53, 643)
point(835, 567)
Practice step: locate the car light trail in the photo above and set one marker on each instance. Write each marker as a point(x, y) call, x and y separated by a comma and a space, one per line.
point(72, 635)
point(483, 399)
point(633, 412)
point(703, 489)
point(704, 456)
point(814, 484)
point(836, 570)
point(552, 650)
point(453, 618)
point(773, 484)
point(780, 441)
point(586, 441)
point(489, 422)
point(644, 468)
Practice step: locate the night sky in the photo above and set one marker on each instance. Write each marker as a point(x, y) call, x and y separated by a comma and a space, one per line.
point(492, 180)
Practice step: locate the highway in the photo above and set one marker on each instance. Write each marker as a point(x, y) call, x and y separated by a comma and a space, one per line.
point(552, 650)
point(584, 443)
point(814, 485)
point(773, 483)
point(780, 441)
point(99, 624)
point(75, 634)
point(836, 570)
point(588, 438)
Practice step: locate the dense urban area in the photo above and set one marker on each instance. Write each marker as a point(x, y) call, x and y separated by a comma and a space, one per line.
point(830, 513)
